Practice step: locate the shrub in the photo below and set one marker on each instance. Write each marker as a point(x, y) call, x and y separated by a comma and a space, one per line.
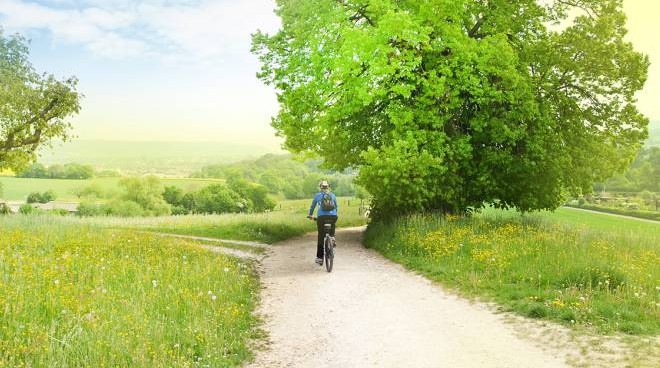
point(87, 209)
point(124, 208)
point(4, 209)
point(34, 197)
point(26, 209)
point(45, 197)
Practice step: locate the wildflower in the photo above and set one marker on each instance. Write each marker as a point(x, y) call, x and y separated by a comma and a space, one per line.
point(154, 283)
point(213, 297)
point(226, 269)
point(57, 282)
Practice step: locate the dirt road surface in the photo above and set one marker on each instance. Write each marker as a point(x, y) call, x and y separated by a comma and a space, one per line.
point(370, 312)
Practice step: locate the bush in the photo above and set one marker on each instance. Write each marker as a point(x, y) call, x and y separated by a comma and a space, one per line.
point(124, 208)
point(45, 197)
point(26, 209)
point(87, 209)
point(34, 197)
point(4, 209)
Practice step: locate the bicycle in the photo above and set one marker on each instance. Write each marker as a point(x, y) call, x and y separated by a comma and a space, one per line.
point(328, 247)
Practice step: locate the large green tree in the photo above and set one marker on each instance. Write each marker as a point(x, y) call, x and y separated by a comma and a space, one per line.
point(450, 104)
point(33, 107)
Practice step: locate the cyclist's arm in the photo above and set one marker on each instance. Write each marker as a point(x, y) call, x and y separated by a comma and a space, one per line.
point(315, 201)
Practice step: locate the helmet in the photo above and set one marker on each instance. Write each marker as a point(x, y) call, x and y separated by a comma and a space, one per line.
point(324, 184)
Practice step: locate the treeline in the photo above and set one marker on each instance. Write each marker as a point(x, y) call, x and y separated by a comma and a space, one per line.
point(146, 196)
point(283, 176)
point(72, 170)
point(644, 174)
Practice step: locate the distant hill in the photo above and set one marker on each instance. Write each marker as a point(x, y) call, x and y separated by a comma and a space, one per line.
point(654, 134)
point(166, 158)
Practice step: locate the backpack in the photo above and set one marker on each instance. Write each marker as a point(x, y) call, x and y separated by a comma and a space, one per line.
point(327, 203)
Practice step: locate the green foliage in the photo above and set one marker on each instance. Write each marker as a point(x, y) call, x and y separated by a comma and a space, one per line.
point(45, 197)
point(173, 195)
point(256, 195)
point(141, 196)
point(26, 209)
point(282, 175)
point(218, 198)
point(93, 190)
point(88, 209)
point(4, 209)
point(68, 171)
point(644, 174)
point(33, 106)
point(447, 105)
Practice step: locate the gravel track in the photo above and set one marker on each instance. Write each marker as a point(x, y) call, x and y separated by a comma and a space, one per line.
point(370, 312)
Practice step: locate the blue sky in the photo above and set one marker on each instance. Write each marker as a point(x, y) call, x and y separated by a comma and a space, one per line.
point(157, 69)
point(182, 70)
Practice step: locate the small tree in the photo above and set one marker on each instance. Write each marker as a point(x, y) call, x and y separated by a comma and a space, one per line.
point(34, 107)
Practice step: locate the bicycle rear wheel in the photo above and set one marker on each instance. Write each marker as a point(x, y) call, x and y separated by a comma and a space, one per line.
point(329, 253)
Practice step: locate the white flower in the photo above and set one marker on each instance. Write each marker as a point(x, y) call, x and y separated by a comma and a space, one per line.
point(210, 293)
point(214, 297)
point(57, 282)
point(154, 283)
point(226, 269)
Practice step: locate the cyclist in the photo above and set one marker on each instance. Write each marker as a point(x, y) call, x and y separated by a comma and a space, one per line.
point(327, 213)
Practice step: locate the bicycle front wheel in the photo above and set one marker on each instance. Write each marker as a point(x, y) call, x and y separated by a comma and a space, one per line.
point(329, 253)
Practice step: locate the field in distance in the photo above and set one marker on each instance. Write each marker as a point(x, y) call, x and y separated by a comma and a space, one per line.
point(17, 189)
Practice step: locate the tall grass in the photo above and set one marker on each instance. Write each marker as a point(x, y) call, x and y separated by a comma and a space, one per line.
point(74, 295)
point(605, 277)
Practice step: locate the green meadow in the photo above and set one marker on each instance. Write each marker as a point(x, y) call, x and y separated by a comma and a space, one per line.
point(77, 295)
point(17, 189)
point(578, 268)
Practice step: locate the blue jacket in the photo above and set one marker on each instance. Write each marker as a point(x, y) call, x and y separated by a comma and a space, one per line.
point(317, 201)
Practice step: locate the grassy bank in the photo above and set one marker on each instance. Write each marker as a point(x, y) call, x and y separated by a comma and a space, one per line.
point(75, 295)
point(287, 221)
point(578, 268)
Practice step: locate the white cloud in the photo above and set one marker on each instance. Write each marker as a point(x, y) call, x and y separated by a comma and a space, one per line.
point(203, 31)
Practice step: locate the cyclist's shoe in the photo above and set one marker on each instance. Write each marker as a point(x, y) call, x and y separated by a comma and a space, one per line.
point(319, 261)
point(334, 242)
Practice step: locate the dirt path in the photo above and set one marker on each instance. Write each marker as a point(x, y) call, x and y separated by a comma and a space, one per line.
point(370, 312)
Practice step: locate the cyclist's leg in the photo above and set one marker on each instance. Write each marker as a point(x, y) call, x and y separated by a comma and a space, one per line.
point(321, 236)
point(333, 221)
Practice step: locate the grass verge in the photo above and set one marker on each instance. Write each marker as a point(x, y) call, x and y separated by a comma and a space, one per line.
point(600, 274)
point(79, 296)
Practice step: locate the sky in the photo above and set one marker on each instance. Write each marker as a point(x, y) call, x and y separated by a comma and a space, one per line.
point(181, 70)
